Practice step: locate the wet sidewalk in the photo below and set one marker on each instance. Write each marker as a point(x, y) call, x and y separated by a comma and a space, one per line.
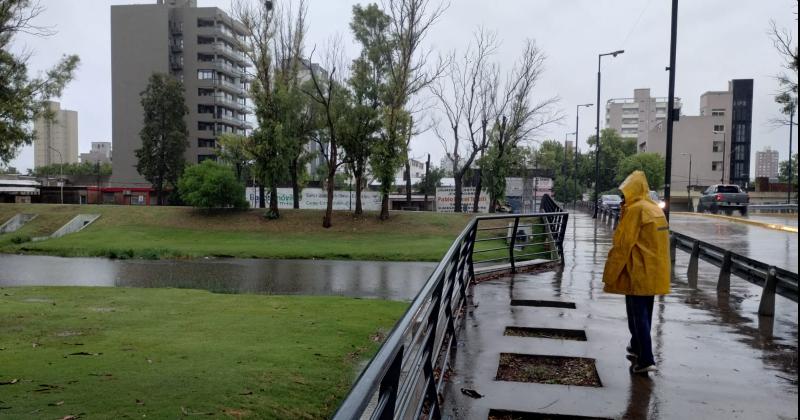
point(717, 358)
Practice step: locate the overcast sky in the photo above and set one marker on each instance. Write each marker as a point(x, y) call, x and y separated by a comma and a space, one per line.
point(718, 40)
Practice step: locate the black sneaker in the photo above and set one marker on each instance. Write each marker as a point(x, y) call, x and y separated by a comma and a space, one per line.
point(644, 369)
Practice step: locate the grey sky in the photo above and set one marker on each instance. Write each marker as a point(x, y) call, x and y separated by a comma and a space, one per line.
point(718, 40)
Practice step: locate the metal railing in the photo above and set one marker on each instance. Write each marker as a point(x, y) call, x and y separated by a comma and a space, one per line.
point(772, 279)
point(406, 376)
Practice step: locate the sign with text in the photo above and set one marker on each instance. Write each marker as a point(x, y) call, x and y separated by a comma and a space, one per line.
point(317, 199)
point(446, 197)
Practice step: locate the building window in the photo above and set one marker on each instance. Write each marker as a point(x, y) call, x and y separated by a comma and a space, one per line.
point(718, 145)
point(201, 158)
point(717, 112)
point(206, 143)
point(205, 126)
point(716, 166)
point(719, 128)
point(205, 74)
point(204, 23)
point(205, 92)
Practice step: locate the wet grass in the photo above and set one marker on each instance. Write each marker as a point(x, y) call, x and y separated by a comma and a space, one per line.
point(180, 232)
point(553, 370)
point(166, 353)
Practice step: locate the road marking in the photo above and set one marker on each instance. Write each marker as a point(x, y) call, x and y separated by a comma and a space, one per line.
point(773, 226)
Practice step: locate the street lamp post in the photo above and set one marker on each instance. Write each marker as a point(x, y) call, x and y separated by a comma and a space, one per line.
point(597, 130)
point(577, 139)
point(791, 180)
point(60, 171)
point(689, 184)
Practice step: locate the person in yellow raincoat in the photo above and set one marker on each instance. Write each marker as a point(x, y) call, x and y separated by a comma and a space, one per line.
point(638, 265)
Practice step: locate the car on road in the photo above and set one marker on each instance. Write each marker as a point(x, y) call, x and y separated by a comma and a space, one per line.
point(725, 198)
point(610, 202)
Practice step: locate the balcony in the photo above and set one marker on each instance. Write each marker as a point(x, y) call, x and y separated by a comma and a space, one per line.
point(231, 104)
point(233, 121)
point(234, 88)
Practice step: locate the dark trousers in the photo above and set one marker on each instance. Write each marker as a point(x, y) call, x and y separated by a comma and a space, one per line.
point(640, 316)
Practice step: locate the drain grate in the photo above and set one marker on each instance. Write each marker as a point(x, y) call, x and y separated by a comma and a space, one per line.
point(554, 333)
point(523, 415)
point(553, 370)
point(543, 303)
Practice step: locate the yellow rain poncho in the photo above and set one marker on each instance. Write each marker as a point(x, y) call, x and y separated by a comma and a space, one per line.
point(639, 262)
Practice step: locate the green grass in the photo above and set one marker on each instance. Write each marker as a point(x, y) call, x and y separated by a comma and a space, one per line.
point(180, 232)
point(166, 353)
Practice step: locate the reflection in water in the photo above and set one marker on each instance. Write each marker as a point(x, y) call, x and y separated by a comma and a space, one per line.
point(641, 390)
point(369, 279)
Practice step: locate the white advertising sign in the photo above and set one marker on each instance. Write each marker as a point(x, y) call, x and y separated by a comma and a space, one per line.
point(446, 197)
point(317, 199)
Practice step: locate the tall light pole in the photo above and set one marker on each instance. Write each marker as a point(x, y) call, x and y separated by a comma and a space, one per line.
point(577, 139)
point(689, 184)
point(791, 181)
point(597, 130)
point(60, 171)
point(673, 41)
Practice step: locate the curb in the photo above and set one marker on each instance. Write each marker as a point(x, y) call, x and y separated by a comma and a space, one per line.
point(773, 226)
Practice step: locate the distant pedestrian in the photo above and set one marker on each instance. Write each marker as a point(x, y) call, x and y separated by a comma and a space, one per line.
point(638, 265)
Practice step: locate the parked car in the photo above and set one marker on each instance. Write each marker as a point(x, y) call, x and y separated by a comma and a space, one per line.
point(657, 200)
point(610, 202)
point(725, 198)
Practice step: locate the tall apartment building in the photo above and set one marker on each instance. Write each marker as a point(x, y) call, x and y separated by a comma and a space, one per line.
point(718, 140)
point(100, 153)
point(635, 117)
point(199, 46)
point(768, 164)
point(56, 138)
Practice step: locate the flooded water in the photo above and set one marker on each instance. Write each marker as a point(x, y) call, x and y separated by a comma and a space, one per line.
point(367, 279)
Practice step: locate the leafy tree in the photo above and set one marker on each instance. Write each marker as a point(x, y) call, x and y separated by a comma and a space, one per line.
point(211, 185)
point(652, 164)
point(496, 167)
point(22, 99)
point(233, 149)
point(430, 181)
point(78, 169)
point(783, 175)
point(164, 136)
point(614, 148)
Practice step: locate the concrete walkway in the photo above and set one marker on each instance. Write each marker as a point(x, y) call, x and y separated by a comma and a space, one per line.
point(717, 359)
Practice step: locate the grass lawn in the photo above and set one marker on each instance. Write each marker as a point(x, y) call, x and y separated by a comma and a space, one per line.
point(166, 353)
point(178, 232)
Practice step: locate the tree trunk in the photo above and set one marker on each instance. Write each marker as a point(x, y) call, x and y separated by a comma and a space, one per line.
point(408, 184)
point(326, 221)
point(384, 207)
point(457, 177)
point(295, 184)
point(476, 200)
point(262, 200)
point(359, 210)
point(273, 202)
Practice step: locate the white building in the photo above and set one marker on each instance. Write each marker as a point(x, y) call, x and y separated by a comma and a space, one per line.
point(56, 138)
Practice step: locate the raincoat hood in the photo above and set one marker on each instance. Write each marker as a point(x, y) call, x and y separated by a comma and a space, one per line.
point(635, 187)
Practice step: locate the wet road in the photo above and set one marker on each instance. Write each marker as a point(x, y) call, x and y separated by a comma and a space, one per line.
point(367, 279)
point(786, 220)
point(718, 359)
point(768, 245)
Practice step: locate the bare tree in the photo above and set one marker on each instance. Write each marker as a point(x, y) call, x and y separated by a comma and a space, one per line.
point(519, 116)
point(786, 97)
point(329, 92)
point(466, 97)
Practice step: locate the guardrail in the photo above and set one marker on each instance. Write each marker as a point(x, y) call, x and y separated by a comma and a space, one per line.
point(772, 279)
point(773, 208)
point(406, 376)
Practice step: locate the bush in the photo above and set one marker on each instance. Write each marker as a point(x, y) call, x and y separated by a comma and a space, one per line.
point(20, 239)
point(211, 185)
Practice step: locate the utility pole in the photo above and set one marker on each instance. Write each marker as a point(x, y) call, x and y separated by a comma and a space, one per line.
point(791, 180)
point(671, 107)
point(577, 124)
point(60, 171)
point(689, 184)
point(597, 131)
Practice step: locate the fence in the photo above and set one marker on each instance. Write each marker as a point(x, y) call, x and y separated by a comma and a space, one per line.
point(772, 279)
point(405, 378)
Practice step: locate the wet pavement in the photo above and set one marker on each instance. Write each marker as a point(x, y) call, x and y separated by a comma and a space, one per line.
point(717, 358)
point(365, 279)
point(768, 245)
point(778, 219)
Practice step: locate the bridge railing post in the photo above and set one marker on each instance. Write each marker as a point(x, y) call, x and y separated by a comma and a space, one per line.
point(767, 305)
point(673, 250)
point(724, 282)
point(694, 260)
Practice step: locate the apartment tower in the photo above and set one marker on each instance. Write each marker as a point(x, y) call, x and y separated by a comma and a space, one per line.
point(56, 139)
point(201, 47)
point(635, 117)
